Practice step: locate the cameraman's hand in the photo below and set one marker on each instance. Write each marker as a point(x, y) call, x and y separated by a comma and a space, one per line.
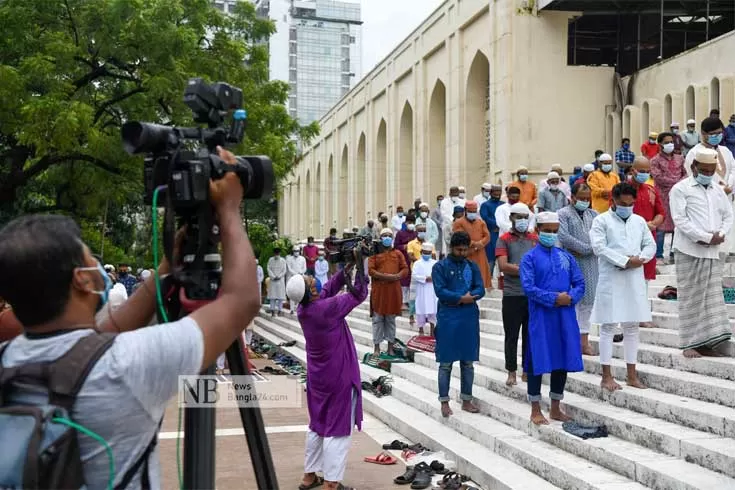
point(226, 193)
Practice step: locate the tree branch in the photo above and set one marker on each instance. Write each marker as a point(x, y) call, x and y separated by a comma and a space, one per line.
point(73, 24)
point(116, 100)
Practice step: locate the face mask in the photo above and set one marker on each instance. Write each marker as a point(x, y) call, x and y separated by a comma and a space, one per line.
point(123, 275)
point(626, 146)
point(624, 211)
point(512, 201)
point(732, 123)
point(523, 178)
point(438, 203)
point(554, 187)
point(675, 131)
point(714, 139)
point(321, 258)
point(424, 214)
point(333, 235)
point(455, 199)
point(426, 257)
point(296, 254)
point(581, 205)
point(462, 195)
point(521, 225)
point(411, 227)
point(485, 194)
point(472, 216)
point(494, 199)
point(606, 167)
point(400, 214)
point(668, 147)
point(703, 179)
point(641, 177)
point(651, 141)
point(386, 241)
point(422, 235)
point(104, 294)
point(547, 239)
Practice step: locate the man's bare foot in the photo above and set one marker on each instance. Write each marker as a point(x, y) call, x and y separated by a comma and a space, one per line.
point(609, 384)
point(691, 353)
point(446, 411)
point(635, 382)
point(587, 350)
point(470, 407)
point(421, 331)
point(511, 381)
point(647, 325)
point(557, 414)
point(709, 352)
point(538, 418)
point(524, 377)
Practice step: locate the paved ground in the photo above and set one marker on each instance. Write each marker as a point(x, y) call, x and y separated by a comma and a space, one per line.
point(287, 431)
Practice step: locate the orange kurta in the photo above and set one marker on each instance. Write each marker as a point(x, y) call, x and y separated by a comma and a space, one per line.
point(477, 230)
point(385, 296)
point(529, 192)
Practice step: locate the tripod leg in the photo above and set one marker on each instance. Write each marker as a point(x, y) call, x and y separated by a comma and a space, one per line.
point(199, 446)
point(252, 423)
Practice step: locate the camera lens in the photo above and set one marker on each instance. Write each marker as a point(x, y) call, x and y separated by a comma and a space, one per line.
point(145, 137)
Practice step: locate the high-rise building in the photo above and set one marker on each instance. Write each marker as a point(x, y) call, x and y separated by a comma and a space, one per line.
point(317, 49)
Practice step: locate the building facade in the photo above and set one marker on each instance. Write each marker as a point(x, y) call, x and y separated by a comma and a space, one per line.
point(481, 88)
point(317, 50)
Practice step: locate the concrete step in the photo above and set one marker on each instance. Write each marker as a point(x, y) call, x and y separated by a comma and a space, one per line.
point(699, 387)
point(475, 460)
point(623, 455)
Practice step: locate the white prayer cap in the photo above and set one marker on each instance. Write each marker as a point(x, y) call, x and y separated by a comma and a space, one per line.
point(487, 186)
point(552, 175)
point(109, 268)
point(691, 122)
point(547, 217)
point(519, 208)
point(427, 247)
point(295, 248)
point(522, 169)
point(674, 125)
point(605, 157)
point(145, 274)
point(386, 231)
point(461, 188)
point(590, 167)
point(296, 288)
point(556, 166)
point(424, 205)
point(706, 155)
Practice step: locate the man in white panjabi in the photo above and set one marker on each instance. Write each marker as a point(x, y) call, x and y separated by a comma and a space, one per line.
point(622, 242)
point(295, 265)
point(277, 281)
point(703, 217)
point(426, 301)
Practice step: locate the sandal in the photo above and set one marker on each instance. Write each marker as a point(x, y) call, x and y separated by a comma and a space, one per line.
point(438, 467)
point(407, 454)
point(423, 477)
point(396, 445)
point(407, 477)
point(381, 459)
point(318, 482)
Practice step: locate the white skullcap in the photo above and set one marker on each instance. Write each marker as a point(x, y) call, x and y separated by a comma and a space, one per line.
point(706, 155)
point(487, 186)
point(109, 267)
point(427, 247)
point(589, 167)
point(424, 205)
point(519, 208)
point(295, 248)
point(296, 288)
point(386, 231)
point(145, 274)
point(547, 217)
point(461, 188)
point(605, 157)
point(556, 165)
point(552, 175)
point(522, 169)
point(691, 121)
point(347, 230)
point(674, 124)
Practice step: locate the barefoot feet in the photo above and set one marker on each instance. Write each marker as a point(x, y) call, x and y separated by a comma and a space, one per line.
point(691, 353)
point(608, 383)
point(536, 416)
point(511, 381)
point(635, 382)
point(587, 350)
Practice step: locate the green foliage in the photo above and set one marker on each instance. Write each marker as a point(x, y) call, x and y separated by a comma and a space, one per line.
point(73, 71)
point(263, 241)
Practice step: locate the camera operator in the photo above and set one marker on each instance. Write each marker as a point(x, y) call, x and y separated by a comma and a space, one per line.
point(56, 288)
point(333, 389)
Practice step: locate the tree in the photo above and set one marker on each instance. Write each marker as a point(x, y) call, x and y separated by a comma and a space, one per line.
point(73, 71)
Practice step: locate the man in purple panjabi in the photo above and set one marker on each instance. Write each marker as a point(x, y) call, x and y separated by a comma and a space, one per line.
point(333, 390)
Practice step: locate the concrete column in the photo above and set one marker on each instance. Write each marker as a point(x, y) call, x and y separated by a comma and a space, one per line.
point(501, 79)
point(727, 97)
point(454, 92)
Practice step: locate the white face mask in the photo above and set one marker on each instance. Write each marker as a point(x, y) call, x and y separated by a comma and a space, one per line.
point(462, 195)
point(554, 187)
point(668, 147)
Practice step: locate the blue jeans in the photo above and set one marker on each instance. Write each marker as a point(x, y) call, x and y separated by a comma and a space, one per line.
point(467, 376)
point(558, 382)
point(660, 237)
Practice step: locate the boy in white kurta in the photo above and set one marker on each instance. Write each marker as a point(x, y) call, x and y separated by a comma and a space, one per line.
point(622, 243)
point(321, 268)
point(426, 301)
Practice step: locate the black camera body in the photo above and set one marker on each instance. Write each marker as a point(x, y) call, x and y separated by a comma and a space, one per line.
point(345, 249)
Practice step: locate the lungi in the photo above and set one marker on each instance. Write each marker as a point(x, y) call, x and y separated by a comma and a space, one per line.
point(703, 318)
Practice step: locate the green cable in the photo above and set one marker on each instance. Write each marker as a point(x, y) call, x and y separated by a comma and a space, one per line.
point(178, 452)
point(96, 437)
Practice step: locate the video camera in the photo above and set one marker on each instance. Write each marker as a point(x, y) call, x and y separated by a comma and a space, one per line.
point(345, 249)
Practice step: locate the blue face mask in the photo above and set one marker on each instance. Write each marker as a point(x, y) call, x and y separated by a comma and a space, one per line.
point(626, 146)
point(472, 216)
point(522, 225)
point(426, 257)
point(400, 214)
point(606, 167)
point(624, 211)
point(703, 179)
point(641, 178)
point(547, 239)
point(581, 205)
point(485, 194)
point(318, 286)
point(714, 139)
point(386, 241)
point(523, 178)
point(422, 235)
point(105, 294)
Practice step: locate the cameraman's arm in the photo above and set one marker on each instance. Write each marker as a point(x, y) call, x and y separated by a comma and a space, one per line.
point(334, 285)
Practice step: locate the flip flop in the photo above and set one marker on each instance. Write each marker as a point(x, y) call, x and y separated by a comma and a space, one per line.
point(406, 477)
point(396, 445)
point(318, 482)
point(382, 459)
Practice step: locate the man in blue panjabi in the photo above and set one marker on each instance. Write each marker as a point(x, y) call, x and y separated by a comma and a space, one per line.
point(554, 284)
point(487, 213)
point(458, 286)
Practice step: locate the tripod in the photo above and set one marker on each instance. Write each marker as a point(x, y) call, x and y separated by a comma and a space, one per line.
point(200, 423)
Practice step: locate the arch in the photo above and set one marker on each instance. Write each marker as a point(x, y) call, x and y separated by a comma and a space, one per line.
point(645, 120)
point(360, 178)
point(318, 222)
point(475, 164)
point(668, 110)
point(329, 197)
point(342, 210)
point(380, 176)
point(435, 179)
point(405, 158)
point(689, 103)
point(626, 124)
point(714, 94)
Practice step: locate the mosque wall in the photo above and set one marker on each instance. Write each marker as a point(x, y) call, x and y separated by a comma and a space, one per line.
point(477, 90)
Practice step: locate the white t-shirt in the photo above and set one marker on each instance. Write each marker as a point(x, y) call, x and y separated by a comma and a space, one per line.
point(125, 394)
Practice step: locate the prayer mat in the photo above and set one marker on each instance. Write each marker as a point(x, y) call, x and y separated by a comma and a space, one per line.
point(423, 343)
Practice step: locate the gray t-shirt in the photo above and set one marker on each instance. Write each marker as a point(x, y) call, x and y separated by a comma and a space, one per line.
point(549, 200)
point(125, 394)
point(514, 246)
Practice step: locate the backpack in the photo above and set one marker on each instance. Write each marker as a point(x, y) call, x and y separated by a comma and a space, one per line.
point(39, 450)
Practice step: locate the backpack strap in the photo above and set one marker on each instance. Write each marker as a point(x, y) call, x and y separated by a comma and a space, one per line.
point(145, 483)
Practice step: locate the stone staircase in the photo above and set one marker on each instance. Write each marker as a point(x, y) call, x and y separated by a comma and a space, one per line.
point(679, 434)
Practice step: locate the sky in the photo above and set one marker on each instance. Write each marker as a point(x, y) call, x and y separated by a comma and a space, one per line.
point(386, 23)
